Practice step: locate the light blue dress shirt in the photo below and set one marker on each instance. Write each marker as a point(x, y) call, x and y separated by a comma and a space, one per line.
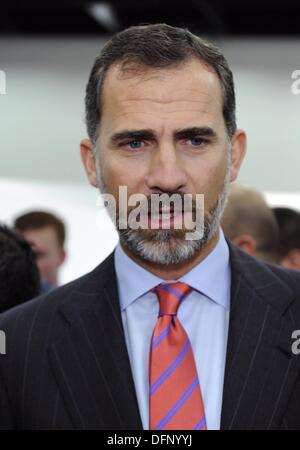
point(204, 315)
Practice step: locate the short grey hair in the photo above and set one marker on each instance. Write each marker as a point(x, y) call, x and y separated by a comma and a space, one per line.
point(156, 46)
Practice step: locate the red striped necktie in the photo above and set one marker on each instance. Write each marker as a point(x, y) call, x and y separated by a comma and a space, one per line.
point(175, 395)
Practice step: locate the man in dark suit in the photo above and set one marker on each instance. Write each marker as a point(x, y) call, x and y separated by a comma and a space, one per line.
point(168, 332)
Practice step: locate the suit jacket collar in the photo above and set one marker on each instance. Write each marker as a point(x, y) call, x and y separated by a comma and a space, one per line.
point(91, 364)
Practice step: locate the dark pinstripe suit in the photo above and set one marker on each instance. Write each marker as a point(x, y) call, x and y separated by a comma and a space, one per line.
point(67, 366)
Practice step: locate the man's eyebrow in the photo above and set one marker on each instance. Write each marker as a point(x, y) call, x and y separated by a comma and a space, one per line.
point(149, 135)
point(145, 134)
point(196, 131)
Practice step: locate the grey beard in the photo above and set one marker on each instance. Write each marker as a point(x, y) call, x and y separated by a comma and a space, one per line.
point(169, 247)
point(165, 248)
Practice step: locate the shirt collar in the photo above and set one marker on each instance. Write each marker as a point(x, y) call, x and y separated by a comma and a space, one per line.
point(211, 277)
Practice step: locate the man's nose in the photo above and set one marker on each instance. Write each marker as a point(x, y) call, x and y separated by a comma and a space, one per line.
point(166, 172)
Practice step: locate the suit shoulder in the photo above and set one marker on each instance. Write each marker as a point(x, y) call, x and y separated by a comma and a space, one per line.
point(255, 268)
point(291, 280)
point(289, 276)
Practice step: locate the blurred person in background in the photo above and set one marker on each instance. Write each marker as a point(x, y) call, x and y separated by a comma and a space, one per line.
point(288, 221)
point(19, 275)
point(46, 234)
point(250, 224)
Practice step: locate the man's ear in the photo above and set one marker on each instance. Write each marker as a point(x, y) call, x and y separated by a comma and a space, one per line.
point(88, 160)
point(238, 151)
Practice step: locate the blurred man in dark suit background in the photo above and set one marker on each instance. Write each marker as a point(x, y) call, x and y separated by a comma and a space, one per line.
point(46, 234)
point(166, 333)
point(249, 222)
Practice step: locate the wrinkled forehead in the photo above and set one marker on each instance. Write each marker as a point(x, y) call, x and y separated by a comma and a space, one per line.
point(188, 83)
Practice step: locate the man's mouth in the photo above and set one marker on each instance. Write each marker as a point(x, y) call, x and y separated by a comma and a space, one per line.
point(166, 218)
point(164, 213)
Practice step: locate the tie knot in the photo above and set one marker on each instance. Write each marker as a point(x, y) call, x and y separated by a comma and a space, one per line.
point(170, 295)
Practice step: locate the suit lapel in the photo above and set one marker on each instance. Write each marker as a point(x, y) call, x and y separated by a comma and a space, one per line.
point(260, 367)
point(90, 360)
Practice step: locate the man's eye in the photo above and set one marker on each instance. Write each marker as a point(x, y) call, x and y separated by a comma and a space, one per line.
point(134, 144)
point(197, 141)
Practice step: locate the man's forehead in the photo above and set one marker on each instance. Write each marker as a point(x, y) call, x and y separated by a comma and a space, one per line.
point(191, 81)
point(173, 98)
point(43, 233)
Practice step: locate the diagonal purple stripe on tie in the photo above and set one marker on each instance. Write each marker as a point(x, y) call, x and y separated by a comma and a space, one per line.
point(172, 290)
point(161, 336)
point(201, 424)
point(170, 369)
point(178, 405)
